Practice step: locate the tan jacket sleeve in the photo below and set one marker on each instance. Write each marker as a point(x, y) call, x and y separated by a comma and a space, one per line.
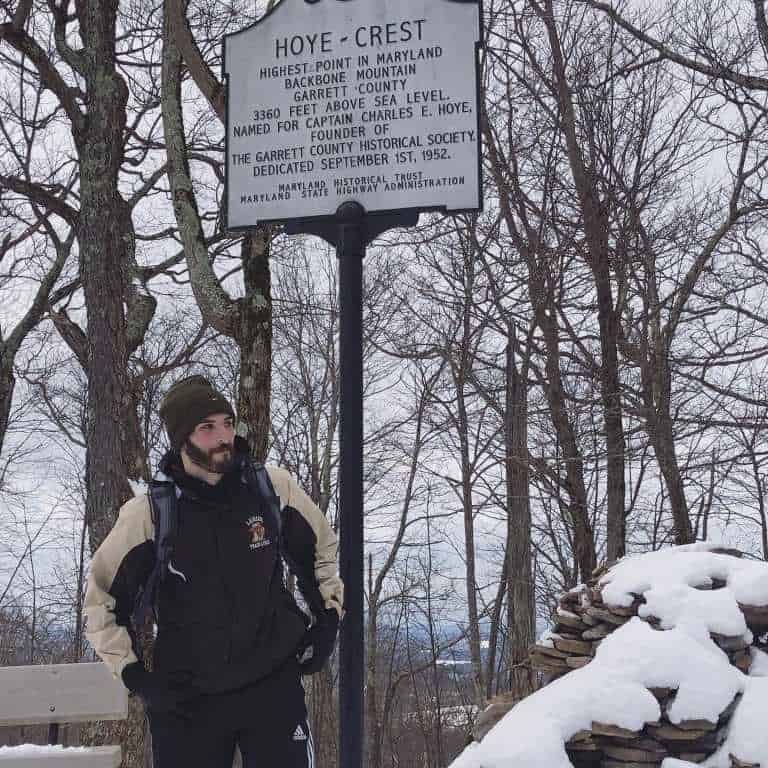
point(119, 568)
point(324, 547)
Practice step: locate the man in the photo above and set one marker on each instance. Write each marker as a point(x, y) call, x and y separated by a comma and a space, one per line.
point(231, 642)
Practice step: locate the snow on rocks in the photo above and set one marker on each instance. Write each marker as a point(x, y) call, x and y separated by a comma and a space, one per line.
point(759, 666)
point(712, 595)
point(746, 740)
point(647, 664)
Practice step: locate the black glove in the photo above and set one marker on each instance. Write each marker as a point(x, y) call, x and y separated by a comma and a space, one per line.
point(318, 642)
point(159, 692)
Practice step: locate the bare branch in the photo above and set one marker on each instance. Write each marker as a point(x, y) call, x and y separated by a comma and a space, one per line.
point(39, 195)
point(718, 72)
point(50, 78)
point(202, 74)
point(215, 304)
point(74, 335)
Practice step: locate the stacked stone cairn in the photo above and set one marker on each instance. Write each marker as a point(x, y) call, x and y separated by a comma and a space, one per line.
point(581, 621)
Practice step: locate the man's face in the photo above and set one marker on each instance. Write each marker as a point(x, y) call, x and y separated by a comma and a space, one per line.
point(211, 444)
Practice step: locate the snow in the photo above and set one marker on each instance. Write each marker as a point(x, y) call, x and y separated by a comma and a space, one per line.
point(25, 750)
point(705, 679)
point(759, 667)
point(668, 579)
point(746, 734)
point(698, 611)
point(613, 687)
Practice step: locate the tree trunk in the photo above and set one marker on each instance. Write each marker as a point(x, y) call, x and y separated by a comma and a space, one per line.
point(106, 243)
point(104, 234)
point(254, 338)
point(583, 537)
point(596, 229)
point(610, 390)
point(663, 440)
point(527, 239)
point(520, 598)
point(657, 383)
point(7, 386)
point(495, 626)
point(135, 450)
point(373, 734)
point(473, 633)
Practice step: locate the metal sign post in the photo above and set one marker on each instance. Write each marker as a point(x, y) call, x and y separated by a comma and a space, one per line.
point(345, 120)
point(350, 231)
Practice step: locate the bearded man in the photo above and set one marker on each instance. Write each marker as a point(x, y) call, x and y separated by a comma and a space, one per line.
point(231, 642)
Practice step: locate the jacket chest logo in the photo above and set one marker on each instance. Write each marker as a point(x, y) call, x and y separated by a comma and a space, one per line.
point(257, 532)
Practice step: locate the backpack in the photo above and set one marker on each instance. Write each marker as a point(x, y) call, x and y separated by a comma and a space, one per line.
point(163, 499)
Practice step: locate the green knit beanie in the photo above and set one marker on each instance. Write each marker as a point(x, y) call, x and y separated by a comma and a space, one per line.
point(186, 404)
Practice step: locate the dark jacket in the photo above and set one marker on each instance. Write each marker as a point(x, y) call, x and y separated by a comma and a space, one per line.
point(223, 614)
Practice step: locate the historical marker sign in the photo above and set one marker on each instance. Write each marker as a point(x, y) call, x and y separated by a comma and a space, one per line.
point(368, 100)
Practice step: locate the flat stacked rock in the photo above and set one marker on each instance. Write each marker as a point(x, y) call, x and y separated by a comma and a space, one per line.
point(609, 746)
point(581, 621)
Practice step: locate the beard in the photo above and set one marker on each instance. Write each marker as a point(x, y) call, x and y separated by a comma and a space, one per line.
point(219, 461)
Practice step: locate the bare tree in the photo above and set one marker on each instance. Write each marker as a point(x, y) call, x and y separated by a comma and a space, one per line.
point(247, 320)
point(595, 222)
point(527, 225)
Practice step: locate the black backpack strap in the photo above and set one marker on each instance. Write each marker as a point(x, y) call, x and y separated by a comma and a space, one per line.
point(269, 494)
point(165, 516)
point(166, 506)
point(258, 480)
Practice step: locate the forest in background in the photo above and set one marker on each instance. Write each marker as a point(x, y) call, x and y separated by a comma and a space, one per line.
point(575, 373)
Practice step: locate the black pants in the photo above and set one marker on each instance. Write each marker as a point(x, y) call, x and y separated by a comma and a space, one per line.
point(267, 720)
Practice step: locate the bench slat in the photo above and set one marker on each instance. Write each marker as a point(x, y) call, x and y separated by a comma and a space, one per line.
point(60, 693)
point(92, 757)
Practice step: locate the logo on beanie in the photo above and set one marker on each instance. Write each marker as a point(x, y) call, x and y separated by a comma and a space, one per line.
point(257, 532)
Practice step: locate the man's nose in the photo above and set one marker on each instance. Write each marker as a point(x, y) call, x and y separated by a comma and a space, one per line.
point(222, 436)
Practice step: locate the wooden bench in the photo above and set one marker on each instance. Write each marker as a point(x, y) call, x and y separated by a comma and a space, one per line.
point(55, 694)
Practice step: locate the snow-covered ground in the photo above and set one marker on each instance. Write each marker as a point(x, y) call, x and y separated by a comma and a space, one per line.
point(58, 755)
point(29, 750)
point(614, 687)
